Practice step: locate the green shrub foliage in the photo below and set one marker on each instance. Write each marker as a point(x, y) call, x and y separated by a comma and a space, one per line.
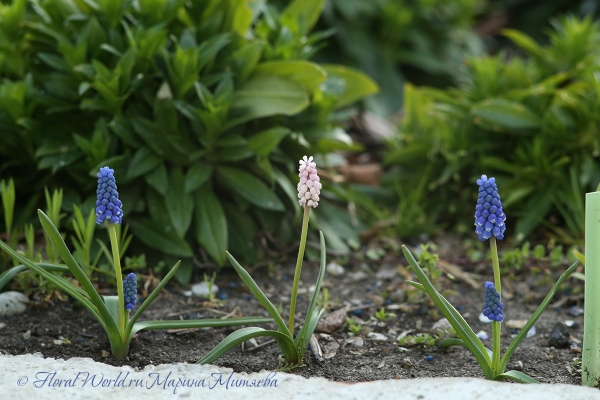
point(532, 122)
point(201, 107)
point(401, 40)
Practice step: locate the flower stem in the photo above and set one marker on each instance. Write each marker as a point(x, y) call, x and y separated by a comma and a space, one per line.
point(112, 232)
point(495, 264)
point(298, 268)
point(496, 326)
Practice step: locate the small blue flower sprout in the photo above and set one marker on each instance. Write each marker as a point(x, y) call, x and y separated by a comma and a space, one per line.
point(108, 205)
point(489, 217)
point(130, 291)
point(492, 306)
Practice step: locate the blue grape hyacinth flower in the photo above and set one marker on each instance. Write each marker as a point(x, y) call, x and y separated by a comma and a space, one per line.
point(130, 291)
point(108, 205)
point(492, 306)
point(489, 217)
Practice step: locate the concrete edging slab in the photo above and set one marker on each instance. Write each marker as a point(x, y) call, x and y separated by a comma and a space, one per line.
point(33, 377)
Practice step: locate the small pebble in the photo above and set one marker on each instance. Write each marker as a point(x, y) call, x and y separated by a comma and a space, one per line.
point(575, 350)
point(571, 324)
point(442, 325)
point(515, 323)
point(105, 353)
point(559, 336)
point(201, 289)
point(356, 341)
point(222, 296)
point(12, 303)
point(27, 335)
point(519, 366)
point(575, 311)
point(377, 336)
point(358, 313)
point(250, 343)
point(429, 358)
point(232, 285)
point(531, 332)
point(482, 335)
point(386, 273)
point(484, 319)
point(2, 325)
point(368, 288)
point(335, 269)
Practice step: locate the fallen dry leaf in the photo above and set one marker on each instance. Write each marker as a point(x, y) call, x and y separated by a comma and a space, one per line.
point(333, 321)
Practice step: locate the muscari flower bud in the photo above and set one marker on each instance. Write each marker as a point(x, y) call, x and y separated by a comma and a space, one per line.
point(492, 306)
point(108, 205)
point(489, 217)
point(309, 187)
point(130, 291)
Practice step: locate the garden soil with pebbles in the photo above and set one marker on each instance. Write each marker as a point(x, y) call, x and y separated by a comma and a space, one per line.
point(64, 330)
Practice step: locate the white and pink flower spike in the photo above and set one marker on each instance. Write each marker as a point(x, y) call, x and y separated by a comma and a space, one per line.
point(309, 187)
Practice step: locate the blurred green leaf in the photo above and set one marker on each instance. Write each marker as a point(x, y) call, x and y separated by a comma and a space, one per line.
point(155, 235)
point(357, 85)
point(197, 175)
point(263, 143)
point(158, 179)
point(504, 114)
point(143, 161)
point(263, 96)
point(180, 204)
point(305, 73)
point(305, 11)
point(211, 224)
point(250, 188)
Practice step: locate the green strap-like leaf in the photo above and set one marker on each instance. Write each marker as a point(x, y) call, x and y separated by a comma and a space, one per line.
point(463, 330)
point(260, 296)
point(198, 323)
point(67, 257)
point(534, 317)
point(60, 282)
point(7, 275)
point(151, 298)
point(286, 344)
point(304, 332)
point(516, 376)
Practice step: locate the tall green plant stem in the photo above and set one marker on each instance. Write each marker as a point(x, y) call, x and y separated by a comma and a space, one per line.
point(298, 268)
point(496, 326)
point(590, 363)
point(112, 232)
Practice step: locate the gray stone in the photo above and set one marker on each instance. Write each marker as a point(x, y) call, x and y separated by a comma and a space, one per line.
point(12, 303)
point(559, 336)
point(376, 336)
point(201, 289)
point(442, 325)
point(335, 269)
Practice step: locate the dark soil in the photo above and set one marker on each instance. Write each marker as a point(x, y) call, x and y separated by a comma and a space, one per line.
point(359, 288)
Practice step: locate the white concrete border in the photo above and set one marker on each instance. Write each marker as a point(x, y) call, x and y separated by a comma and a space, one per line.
point(34, 377)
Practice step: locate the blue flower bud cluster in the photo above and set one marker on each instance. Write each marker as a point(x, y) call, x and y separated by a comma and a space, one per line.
point(108, 205)
point(489, 217)
point(492, 306)
point(130, 291)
